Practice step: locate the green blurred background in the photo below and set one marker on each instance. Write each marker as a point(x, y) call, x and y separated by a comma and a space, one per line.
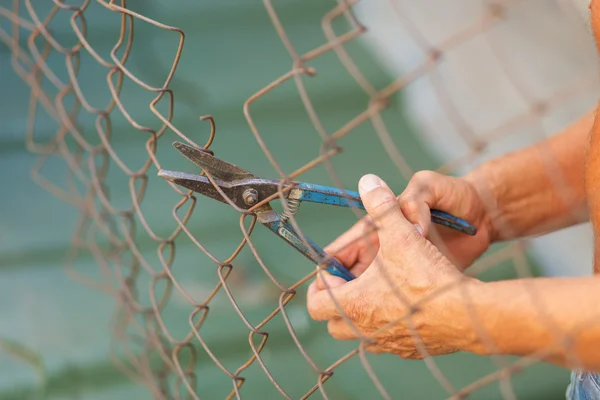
point(50, 322)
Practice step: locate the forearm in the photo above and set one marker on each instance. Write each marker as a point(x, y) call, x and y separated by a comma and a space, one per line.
point(592, 183)
point(537, 189)
point(557, 320)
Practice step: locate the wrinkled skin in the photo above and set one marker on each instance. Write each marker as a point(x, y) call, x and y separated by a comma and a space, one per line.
point(426, 190)
point(401, 272)
point(398, 269)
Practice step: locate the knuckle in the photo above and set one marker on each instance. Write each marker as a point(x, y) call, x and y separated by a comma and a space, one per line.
point(424, 177)
point(412, 355)
point(315, 310)
point(332, 329)
point(373, 349)
point(409, 207)
point(409, 353)
point(312, 312)
point(386, 204)
point(419, 188)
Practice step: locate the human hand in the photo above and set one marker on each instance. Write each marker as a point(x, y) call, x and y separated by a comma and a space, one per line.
point(457, 196)
point(427, 190)
point(409, 293)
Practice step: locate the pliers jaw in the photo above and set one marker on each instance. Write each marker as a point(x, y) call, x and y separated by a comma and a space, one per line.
point(216, 167)
point(245, 193)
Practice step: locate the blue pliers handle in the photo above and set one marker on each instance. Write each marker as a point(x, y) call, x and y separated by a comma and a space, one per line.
point(346, 198)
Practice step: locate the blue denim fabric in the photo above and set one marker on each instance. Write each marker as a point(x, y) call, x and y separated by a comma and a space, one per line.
point(584, 386)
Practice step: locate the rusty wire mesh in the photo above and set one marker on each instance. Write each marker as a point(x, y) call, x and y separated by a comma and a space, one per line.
point(111, 232)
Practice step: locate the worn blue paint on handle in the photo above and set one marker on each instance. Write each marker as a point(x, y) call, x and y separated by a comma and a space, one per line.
point(329, 195)
point(347, 198)
point(442, 218)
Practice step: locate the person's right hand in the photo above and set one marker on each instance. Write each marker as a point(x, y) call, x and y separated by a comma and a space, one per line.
point(357, 247)
point(457, 196)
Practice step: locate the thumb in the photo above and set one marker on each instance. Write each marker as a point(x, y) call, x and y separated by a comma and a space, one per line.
point(384, 209)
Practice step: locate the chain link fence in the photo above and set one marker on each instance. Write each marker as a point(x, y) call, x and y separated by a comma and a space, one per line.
point(114, 104)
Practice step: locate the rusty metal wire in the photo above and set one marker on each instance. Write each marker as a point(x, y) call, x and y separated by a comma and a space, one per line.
point(112, 233)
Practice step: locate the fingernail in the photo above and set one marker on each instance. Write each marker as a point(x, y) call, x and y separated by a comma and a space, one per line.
point(369, 182)
point(418, 227)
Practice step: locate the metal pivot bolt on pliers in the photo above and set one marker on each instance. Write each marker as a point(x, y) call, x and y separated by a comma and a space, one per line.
point(245, 190)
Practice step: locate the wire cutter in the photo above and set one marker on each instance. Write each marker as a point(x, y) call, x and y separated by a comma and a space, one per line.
point(244, 189)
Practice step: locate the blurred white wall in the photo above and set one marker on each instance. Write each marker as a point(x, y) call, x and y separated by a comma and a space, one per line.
point(547, 47)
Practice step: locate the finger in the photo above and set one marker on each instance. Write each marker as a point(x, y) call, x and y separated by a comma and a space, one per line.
point(356, 248)
point(348, 247)
point(416, 203)
point(384, 209)
point(326, 280)
point(431, 190)
point(320, 303)
point(365, 258)
point(374, 349)
point(340, 330)
point(357, 231)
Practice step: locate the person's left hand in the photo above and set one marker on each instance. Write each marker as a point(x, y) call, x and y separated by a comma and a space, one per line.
point(409, 295)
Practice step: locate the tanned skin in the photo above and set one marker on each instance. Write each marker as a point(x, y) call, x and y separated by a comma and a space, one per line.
point(411, 293)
